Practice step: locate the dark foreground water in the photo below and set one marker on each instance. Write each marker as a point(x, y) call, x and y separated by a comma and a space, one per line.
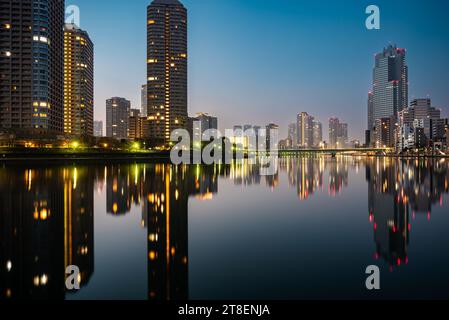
point(149, 231)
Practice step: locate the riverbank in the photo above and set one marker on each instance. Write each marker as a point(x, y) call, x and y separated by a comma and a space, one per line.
point(58, 155)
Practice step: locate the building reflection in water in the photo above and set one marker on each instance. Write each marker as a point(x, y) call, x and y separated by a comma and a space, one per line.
point(168, 225)
point(47, 214)
point(162, 191)
point(397, 192)
point(46, 224)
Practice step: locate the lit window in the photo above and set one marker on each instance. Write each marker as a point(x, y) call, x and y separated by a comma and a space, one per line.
point(151, 22)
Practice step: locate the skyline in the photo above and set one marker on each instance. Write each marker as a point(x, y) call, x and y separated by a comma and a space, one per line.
point(148, 146)
point(233, 46)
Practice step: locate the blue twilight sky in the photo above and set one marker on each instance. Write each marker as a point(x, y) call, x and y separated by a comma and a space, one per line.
point(258, 61)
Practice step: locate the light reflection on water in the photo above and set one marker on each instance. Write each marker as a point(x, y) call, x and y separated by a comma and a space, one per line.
point(155, 231)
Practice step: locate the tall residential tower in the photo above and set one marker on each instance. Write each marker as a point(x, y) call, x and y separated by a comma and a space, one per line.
point(78, 82)
point(31, 65)
point(166, 67)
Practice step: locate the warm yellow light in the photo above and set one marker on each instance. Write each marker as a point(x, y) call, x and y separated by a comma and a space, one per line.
point(44, 214)
point(44, 279)
point(152, 255)
point(136, 146)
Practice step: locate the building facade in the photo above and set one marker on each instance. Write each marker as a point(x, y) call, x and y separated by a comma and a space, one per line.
point(31, 65)
point(370, 124)
point(317, 134)
point(305, 130)
point(78, 82)
point(272, 137)
point(338, 133)
point(421, 115)
point(166, 67)
point(144, 100)
point(201, 123)
point(98, 128)
point(135, 124)
point(117, 118)
point(390, 83)
point(384, 132)
point(389, 94)
point(293, 135)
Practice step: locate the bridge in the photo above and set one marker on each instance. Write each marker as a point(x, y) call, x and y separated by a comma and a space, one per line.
point(334, 152)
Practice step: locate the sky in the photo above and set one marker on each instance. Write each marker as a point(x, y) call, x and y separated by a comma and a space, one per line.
point(258, 62)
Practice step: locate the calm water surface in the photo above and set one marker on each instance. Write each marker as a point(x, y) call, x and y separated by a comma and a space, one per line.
point(155, 231)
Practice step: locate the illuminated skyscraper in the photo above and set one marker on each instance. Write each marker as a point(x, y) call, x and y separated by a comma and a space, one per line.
point(78, 82)
point(166, 67)
point(390, 84)
point(31, 60)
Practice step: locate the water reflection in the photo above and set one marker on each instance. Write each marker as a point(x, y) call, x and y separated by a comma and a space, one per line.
point(47, 213)
point(396, 192)
point(46, 224)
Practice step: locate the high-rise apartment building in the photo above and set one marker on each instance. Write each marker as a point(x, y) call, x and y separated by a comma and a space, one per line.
point(305, 130)
point(31, 65)
point(166, 67)
point(117, 118)
point(338, 133)
point(78, 82)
